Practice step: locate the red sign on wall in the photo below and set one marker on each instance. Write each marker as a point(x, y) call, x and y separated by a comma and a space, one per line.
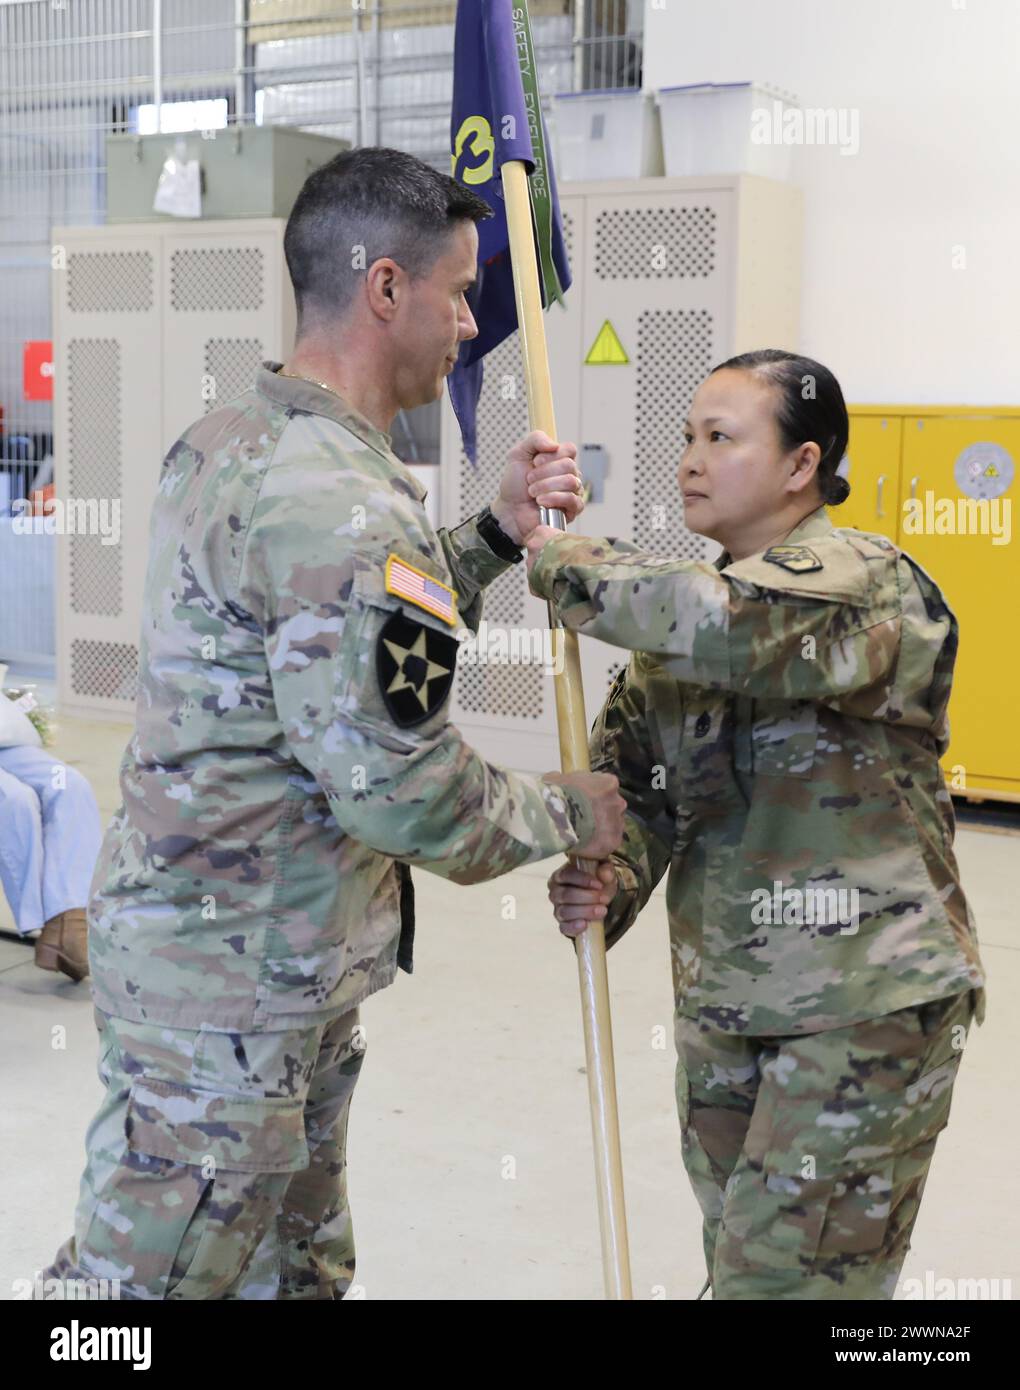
point(37, 372)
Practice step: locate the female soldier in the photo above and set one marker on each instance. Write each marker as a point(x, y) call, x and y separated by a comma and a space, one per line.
point(777, 737)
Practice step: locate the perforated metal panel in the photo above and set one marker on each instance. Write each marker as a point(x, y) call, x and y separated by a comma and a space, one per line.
point(94, 467)
point(104, 670)
point(208, 279)
point(498, 689)
point(663, 243)
point(109, 282)
point(676, 349)
point(503, 690)
point(665, 280)
point(568, 237)
point(142, 318)
point(231, 364)
point(224, 286)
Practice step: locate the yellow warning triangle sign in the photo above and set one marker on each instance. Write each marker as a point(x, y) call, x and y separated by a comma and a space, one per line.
point(606, 350)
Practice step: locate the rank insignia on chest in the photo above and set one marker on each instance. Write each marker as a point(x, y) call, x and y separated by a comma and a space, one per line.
point(796, 558)
point(417, 587)
point(415, 665)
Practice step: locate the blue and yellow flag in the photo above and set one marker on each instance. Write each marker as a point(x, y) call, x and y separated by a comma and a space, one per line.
point(497, 116)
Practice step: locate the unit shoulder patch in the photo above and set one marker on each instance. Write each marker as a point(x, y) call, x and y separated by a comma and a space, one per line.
point(798, 559)
point(415, 665)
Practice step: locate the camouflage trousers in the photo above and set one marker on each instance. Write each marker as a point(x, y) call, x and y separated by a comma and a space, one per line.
point(216, 1164)
point(808, 1154)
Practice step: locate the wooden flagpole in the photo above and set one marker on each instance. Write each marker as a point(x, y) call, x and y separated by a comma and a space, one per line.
point(573, 731)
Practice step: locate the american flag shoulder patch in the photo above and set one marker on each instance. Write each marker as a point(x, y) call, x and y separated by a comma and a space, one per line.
point(417, 587)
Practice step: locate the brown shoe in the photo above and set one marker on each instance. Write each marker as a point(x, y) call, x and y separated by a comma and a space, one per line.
point(63, 944)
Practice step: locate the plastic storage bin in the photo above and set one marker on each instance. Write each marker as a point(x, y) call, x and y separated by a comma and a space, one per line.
point(611, 134)
point(707, 129)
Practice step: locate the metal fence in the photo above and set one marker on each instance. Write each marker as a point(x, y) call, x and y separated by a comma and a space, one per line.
point(73, 72)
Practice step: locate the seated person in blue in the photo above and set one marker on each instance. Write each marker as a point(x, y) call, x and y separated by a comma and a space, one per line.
point(50, 834)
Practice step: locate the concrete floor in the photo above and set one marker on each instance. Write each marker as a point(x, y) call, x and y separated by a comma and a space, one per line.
point(478, 1059)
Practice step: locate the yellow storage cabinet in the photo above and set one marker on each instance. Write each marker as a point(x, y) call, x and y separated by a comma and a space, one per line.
point(938, 463)
point(980, 577)
point(874, 475)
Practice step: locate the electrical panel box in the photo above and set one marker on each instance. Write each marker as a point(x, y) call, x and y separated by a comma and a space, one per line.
point(153, 326)
point(247, 171)
point(670, 277)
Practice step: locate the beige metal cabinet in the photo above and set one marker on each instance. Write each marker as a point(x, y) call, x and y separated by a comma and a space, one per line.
point(153, 326)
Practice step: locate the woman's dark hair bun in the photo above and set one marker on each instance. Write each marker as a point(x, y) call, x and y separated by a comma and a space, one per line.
point(810, 408)
point(838, 490)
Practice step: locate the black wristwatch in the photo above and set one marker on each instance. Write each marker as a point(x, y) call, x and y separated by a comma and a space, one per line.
point(496, 538)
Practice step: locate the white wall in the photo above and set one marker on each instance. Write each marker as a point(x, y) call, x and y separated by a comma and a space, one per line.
point(937, 84)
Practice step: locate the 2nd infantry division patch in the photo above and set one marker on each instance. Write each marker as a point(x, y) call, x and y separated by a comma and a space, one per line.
point(415, 665)
point(796, 558)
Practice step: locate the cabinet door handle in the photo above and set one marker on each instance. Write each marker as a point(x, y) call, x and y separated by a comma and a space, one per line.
point(879, 509)
point(913, 487)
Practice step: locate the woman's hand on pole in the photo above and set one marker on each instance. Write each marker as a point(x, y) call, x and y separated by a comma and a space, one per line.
point(580, 897)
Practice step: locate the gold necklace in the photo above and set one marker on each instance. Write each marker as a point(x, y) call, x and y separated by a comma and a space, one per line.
point(296, 376)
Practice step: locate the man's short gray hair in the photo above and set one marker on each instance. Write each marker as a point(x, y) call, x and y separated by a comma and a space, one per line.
point(364, 204)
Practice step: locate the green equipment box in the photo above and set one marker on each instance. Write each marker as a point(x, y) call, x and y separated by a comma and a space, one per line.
point(247, 171)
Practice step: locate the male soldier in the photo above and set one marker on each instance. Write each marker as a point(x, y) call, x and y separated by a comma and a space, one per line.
point(292, 756)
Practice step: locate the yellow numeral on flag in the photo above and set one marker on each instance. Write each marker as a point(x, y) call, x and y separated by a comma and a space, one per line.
point(478, 131)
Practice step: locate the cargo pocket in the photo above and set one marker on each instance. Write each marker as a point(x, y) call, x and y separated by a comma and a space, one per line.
point(783, 1219)
point(222, 1163)
point(782, 1226)
point(922, 1111)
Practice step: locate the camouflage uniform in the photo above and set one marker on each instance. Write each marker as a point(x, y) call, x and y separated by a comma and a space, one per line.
point(291, 746)
point(779, 731)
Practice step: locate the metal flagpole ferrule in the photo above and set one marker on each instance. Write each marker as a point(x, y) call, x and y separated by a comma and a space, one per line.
point(552, 516)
